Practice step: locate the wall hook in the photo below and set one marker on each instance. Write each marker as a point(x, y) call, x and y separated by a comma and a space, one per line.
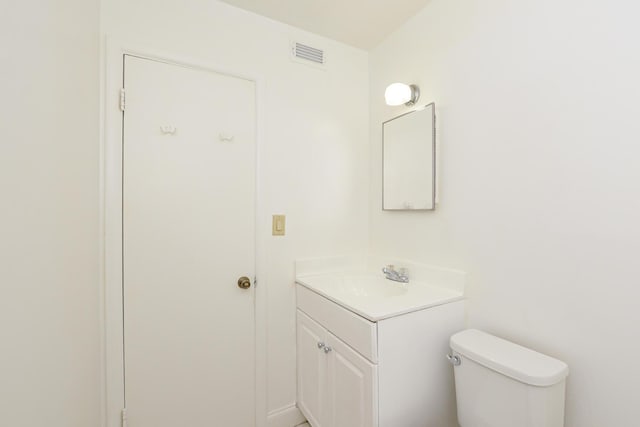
point(168, 129)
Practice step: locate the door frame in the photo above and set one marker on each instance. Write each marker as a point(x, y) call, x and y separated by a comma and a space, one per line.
point(111, 124)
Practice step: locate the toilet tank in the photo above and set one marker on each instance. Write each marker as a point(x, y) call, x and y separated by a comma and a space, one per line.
point(502, 384)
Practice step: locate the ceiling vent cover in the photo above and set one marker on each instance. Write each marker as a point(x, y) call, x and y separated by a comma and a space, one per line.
point(308, 53)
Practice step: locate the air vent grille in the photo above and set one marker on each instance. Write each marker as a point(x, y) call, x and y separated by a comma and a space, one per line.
point(308, 53)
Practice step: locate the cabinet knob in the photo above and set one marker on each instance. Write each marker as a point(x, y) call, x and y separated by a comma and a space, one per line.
point(321, 344)
point(327, 349)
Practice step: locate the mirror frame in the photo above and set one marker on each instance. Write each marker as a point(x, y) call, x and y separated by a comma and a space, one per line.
point(433, 148)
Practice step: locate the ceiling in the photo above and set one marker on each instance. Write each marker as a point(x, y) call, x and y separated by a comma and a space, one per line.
point(360, 23)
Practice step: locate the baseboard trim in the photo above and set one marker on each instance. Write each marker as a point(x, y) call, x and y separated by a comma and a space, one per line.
point(289, 416)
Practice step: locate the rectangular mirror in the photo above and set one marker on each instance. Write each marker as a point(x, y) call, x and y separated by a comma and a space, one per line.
point(409, 161)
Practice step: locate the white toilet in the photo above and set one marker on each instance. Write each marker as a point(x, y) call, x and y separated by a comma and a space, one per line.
point(502, 384)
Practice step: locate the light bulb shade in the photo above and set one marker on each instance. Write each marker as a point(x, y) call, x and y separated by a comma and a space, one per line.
point(400, 93)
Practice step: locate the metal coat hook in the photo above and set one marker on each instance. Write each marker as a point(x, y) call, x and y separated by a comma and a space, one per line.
point(168, 129)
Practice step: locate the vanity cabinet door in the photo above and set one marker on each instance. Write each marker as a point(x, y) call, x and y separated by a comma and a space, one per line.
point(312, 370)
point(352, 387)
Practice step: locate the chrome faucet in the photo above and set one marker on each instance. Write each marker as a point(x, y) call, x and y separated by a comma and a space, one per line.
point(397, 276)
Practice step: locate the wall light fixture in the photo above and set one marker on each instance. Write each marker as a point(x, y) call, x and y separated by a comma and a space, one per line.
point(400, 93)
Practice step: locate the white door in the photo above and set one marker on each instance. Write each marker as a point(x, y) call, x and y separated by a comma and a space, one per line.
point(312, 369)
point(352, 387)
point(188, 236)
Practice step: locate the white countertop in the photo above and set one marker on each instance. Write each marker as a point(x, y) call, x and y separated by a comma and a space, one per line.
point(374, 297)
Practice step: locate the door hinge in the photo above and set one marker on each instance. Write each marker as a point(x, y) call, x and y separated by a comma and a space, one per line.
point(122, 99)
point(124, 417)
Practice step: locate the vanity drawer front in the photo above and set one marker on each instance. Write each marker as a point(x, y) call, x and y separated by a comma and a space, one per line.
point(356, 331)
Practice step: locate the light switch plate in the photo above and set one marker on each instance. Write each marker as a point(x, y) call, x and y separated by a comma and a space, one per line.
point(278, 225)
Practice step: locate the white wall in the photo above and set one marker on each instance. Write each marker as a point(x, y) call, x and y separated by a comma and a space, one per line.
point(539, 179)
point(314, 157)
point(49, 311)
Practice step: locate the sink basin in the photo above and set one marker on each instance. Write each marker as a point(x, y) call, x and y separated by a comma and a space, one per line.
point(374, 297)
point(363, 286)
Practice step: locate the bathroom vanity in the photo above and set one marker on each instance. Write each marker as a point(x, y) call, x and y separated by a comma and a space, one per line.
point(371, 352)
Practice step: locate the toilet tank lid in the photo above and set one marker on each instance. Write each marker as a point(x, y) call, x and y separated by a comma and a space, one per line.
point(507, 358)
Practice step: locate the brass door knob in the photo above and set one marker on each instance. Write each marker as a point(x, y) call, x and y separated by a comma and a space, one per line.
point(244, 282)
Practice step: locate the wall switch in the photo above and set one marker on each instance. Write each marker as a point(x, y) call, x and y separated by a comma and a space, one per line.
point(278, 225)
